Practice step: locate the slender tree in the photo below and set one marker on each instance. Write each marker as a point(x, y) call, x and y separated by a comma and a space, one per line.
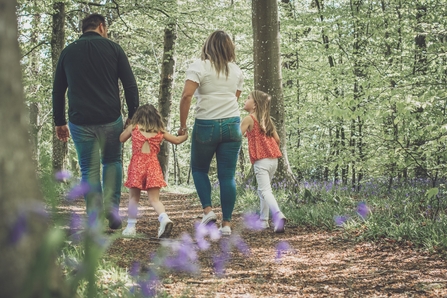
point(267, 70)
point(60, 149)
point(166, 86)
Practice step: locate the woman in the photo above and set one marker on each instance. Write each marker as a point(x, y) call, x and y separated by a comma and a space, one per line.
point(216, 81)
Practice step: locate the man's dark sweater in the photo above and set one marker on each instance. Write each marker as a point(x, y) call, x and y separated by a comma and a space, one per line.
point(90, 68)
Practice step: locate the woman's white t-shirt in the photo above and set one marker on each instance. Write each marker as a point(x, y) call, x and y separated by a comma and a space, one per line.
point(216, 95)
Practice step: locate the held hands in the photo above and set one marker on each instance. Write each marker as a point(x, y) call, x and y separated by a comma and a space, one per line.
point(62, 133)
point(182, 131)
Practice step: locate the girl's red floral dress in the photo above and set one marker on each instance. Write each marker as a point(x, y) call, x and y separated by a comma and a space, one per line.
point(144, 170)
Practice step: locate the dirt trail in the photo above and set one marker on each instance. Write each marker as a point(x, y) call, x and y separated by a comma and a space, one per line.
point(319, 264)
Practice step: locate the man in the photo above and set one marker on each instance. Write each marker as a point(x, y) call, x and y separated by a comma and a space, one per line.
point(90, 68)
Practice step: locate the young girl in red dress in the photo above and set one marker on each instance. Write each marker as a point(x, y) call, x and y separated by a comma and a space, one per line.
point(263, 147)
point(144, 172)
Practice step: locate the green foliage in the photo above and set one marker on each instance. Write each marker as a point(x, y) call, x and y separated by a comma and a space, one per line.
point(409, 213)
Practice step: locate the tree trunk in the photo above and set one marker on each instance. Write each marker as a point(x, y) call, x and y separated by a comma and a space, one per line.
point(165, 92)
point(60, 149)
point(23, 225)
point(267, 70)
point(34, 107)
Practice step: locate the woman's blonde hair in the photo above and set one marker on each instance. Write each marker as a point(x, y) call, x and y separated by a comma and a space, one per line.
point(262, 103)
point(219, 50)
point(148, 119)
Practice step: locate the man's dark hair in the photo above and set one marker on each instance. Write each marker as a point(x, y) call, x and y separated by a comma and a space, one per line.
point(91, 22)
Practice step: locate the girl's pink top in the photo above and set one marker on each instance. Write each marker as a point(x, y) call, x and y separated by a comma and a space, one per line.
point(259, 145)
point(144, 170)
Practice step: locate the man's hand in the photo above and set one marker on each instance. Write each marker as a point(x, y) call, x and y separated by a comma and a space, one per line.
point(62, 133)
point(182, 131)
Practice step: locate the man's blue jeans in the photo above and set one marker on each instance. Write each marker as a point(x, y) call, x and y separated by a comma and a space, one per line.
point(222, 137)
point(96, 145)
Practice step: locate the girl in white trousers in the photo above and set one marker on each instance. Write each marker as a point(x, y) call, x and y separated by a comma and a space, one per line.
point(263, 147)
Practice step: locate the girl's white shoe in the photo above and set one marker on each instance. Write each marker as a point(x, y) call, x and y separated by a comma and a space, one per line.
point(129, 231)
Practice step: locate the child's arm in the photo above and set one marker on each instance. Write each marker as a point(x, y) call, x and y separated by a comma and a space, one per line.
point(246, 124)
point(276, 137)
point(126, 134)
point(175, 139)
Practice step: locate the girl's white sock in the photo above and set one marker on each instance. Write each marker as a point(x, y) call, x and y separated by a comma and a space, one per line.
point(131, 222)
point(162, 216)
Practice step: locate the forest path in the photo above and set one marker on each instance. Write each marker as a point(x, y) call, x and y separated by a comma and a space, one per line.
point(319, 263)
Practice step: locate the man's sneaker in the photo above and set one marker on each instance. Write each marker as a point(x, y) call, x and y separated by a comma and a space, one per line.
point(225, 231)
point(279, 221)
point(129, 231)
point(208, 218)
point(264, 224)
point(165, 228)
point(115, 222)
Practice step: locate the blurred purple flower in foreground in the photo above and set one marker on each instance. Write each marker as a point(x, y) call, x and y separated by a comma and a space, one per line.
point(75, 227)
point(363, 210)
point(220, 261)
point(62, 175)
point(79, 190)
point(205, 230)
point(18, 229)
point(240, 244)
point(281, 247)
point(252, 221)
point(340, 220)
point(184, 255)
point(135, 269)
point(149, 286)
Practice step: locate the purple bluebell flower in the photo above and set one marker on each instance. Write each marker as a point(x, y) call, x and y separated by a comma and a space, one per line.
point(148, 288)
point(62, 175)
point(214, 232)
point(75, 226)
point(219, 264)
point(203, 244)
point(201, 230)
point(18, 229)
point(340, 220)
point(184, 255)
point(281, 247)
point(135, 269)
point(240, 244)
point(79, 190)
point(75, 222)
point(362, 210)
point(252, 221)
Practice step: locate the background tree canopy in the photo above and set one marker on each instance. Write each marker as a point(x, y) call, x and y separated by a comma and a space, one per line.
point(363, 82)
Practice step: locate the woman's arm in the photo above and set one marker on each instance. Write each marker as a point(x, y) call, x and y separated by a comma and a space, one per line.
point(238, 93)
point(126, 134)
point(185, 103)
point(175, 139)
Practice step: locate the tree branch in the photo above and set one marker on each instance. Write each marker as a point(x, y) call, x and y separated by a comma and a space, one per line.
point(33, 48)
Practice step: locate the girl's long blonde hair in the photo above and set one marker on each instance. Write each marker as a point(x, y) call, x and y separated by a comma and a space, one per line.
point(262, 102)
point(219, 50)
point(148, 119)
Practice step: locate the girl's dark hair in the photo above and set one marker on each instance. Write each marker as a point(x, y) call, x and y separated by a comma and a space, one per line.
point(91, 22)
point(148, 119)
point(262, 102)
